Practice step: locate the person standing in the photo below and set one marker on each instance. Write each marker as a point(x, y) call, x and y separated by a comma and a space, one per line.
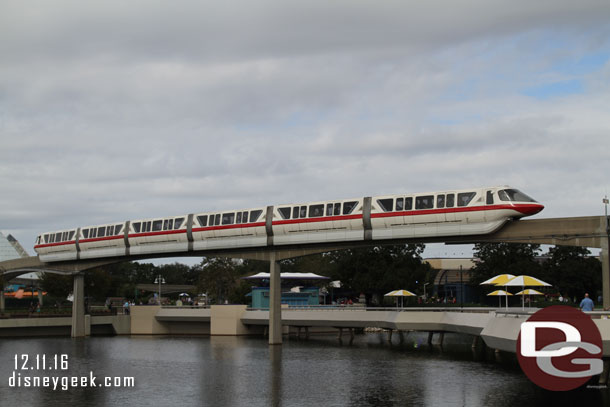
point(587, 303)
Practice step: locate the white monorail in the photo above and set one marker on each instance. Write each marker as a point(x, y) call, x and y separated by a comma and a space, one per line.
point(435, 214)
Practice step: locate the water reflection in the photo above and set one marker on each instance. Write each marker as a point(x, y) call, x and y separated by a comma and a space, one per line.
point(236, 371)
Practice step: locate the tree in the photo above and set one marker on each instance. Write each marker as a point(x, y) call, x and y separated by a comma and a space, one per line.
point(492, 259)
point(573, 272)
point(377, 270)
point(57, 285)
point(219, 277)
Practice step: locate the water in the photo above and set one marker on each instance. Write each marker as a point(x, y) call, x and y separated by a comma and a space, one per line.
point(234, 371)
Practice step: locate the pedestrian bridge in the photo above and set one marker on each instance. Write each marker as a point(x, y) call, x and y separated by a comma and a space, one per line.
point(497, 327)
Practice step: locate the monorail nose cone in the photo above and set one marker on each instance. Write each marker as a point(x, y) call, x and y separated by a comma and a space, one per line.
point(531, 209)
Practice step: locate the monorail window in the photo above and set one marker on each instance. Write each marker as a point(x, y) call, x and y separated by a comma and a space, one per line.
point(165, 224)
point(348, 207)
point(337, 209)
point(424, 202)
point(284, 213)
point(399, 204)
point(136, 227)
point(295, 212)
point(217, 219)
point(408, 203)
point(203, 220)
point(228, 218)
point(450, 200)
point(238, 217)
point(490, 198)
point(303, 212)
point(93, 233)
point(178, 223)
point(253, 215)
point(147, 226)
point(514, 195)
point(157, 225)
point(316, 211)
point(464, 198)
point(386, 204)
point(329, 209)
point(117, 229)
point(440, 201)
point(109, 230)
point(46, 238)
point(86, 233)
point(71, 235)
point(101, 231)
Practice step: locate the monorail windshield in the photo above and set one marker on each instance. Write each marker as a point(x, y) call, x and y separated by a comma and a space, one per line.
point(514, 195)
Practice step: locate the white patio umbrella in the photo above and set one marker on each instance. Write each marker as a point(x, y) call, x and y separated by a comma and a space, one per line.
point(526, 281)
point(499, 294)
point(528, 292)
point(500, 279)
point(400, 293)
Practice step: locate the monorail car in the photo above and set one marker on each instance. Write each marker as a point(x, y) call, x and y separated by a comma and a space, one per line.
point(423, 215)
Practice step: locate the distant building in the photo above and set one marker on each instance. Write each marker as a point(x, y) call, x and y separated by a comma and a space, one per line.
point(453, 279)
point(10, 248)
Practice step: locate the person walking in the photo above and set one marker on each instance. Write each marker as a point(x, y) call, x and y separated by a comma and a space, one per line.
point(586, 304)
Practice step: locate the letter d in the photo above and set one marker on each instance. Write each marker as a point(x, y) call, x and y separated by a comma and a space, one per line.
point(528, 338)
point(11, 380)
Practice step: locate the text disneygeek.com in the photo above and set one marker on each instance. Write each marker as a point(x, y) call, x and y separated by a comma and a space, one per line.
point(26, 367)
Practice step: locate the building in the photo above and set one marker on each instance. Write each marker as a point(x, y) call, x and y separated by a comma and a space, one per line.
point(453, 279)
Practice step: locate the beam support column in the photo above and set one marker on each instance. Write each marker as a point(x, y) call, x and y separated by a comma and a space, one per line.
point(2, 303)
point(78, 306)
point(275, 301)
point(605, 258)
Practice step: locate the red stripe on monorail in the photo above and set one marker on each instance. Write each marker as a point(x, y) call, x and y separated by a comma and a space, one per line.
point(100, 239)
point(527, 209)
point(40, 246)
point(319, 219)
point(234, 226)
point(158, 233)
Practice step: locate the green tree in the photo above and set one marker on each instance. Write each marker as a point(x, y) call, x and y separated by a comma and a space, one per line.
point(377, 270)
point(492, 259)
point(219, 278)
point(573, 272)
point(57, 285)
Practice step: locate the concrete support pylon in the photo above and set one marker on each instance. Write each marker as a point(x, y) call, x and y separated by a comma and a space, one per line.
point(2, 303)
point(605, 259)
point(78, 307)
point(275, 302)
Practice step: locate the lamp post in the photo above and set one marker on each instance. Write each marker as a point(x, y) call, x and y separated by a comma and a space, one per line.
point(159, 280)
point(606, 202)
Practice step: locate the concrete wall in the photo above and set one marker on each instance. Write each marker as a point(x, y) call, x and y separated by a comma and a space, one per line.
point(226, 320)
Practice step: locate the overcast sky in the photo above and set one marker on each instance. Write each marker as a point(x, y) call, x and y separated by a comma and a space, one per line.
point(121, 110)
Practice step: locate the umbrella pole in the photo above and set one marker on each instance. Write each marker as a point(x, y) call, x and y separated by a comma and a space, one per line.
point(505, 289)
point(523, 299)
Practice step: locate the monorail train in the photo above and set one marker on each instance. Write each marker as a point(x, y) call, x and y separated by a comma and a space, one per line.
point(435, 214)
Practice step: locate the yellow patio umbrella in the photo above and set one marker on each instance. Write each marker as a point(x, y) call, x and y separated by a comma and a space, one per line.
point(500, 279)
point(400, 293)
point(528, 292)
point(499, 294)
point(525, 281)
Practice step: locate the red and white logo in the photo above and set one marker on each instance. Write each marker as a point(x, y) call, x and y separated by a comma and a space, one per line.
point(559, 348)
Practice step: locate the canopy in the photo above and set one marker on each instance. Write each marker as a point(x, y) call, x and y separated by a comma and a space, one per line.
point(529, 291)
point(399, 293)
point(499, 292)
point(500, 279)
point(526, 281)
